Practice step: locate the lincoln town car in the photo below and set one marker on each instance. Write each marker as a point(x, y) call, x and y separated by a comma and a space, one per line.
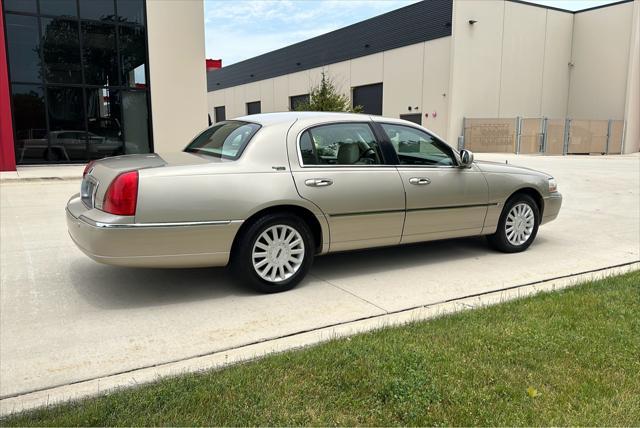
point(267, 193)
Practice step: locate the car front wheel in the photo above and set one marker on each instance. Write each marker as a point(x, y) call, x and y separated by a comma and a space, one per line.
point(518, 225)
point(274, 253)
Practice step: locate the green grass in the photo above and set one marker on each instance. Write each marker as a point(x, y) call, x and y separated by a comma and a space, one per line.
point(579, 348)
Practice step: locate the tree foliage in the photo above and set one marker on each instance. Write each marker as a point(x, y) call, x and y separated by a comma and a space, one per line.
point(325, 97)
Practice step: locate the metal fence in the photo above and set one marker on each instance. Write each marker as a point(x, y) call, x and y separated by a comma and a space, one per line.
point(542, 136)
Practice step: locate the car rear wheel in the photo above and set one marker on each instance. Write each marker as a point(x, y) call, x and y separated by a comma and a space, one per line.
point(518, 225)
point(273, 254)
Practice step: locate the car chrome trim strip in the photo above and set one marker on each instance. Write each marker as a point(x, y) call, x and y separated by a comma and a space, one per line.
point(173, 224)
point(367, 213)
point(143, 225)
point(449, 207)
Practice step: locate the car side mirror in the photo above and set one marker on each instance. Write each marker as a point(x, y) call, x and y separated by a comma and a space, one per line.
point(466, 158)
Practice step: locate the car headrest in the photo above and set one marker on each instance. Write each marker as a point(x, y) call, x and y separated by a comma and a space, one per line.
point(348, 153)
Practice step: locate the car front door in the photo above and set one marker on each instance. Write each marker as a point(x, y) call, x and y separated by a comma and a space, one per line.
point(341, 169)
point(443, 199)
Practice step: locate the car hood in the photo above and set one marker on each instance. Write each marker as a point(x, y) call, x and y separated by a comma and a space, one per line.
point(505, 168)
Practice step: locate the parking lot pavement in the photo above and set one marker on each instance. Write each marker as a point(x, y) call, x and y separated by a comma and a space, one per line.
point(65, 318)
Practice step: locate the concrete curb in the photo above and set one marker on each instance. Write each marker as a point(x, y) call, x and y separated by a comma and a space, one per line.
point(103, 385)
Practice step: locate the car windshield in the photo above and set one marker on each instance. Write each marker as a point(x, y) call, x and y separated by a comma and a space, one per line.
point(224, 140)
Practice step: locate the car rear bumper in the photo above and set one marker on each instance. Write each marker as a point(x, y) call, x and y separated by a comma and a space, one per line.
point(122, 242)
point(552, 206)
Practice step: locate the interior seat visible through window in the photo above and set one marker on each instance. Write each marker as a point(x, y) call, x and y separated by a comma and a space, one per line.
point(340, 144)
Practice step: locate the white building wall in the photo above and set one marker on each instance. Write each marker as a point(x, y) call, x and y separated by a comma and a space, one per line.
point(512, 62)
point(555, 81)
point(601, 42)
point(476, 55)
point(177, 74)
point(367, 70)
point(523, 48)
point(341, 74)
point(402, 80)
point(280, 94)
point(435, 85)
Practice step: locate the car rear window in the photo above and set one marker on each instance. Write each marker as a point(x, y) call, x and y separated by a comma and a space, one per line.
point(224, 140)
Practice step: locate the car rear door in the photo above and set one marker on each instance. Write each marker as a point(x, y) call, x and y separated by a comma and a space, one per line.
point(443, 200)
point(339, 167)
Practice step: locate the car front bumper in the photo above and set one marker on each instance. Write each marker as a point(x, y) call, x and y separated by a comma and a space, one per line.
point(120, 241)
point(552, 204)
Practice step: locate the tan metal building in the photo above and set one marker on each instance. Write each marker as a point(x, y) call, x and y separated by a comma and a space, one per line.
point(439, 61)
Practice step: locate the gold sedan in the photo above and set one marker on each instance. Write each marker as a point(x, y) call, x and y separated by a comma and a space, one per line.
point(266, 193)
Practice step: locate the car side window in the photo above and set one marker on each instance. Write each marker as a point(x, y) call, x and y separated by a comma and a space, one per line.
point(416, 147)
point(340, 144)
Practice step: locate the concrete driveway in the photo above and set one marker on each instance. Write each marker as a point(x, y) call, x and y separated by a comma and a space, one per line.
point(65, 318)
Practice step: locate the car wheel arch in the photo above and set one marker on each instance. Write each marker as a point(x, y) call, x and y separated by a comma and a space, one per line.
point(533, 193)
point(301, 212)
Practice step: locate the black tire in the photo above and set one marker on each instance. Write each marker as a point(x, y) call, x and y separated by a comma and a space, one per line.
point(499, 240)
point(241, 263)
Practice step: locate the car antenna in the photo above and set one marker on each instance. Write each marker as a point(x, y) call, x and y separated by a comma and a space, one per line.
point(506, 161)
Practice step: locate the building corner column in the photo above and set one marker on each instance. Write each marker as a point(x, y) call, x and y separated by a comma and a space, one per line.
point(177, 72)
point(631, 137)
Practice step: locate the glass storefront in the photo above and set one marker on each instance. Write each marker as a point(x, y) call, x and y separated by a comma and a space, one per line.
point(78, 72)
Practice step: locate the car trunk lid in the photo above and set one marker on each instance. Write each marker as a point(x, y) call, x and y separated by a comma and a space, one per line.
point(101, 173)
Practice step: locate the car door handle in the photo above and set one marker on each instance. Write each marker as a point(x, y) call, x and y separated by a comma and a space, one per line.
point(419, 180)
point(318, 182)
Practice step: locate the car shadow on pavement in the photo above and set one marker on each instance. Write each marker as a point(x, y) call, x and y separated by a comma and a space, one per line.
point(378, 260)
point(111, 287)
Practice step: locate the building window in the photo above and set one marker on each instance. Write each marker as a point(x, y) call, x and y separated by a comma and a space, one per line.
point(369, 97)
point(22, 48)
point(253, 107)
point(296, 100)
point(60, 43)
point(219, 114)
point(412, 117)
point(78, 79)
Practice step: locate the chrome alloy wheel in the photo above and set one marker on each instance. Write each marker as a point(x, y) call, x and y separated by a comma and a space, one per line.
point(519, 224)
point(278, 253)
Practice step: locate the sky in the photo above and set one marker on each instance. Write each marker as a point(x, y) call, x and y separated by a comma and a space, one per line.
point(236, 30)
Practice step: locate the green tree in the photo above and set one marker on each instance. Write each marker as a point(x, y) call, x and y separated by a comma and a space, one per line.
point(325, 97)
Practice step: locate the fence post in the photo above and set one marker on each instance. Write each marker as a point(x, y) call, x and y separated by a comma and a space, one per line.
point(606, 147)
point(518, 133)
point(542, 147)
point(623, 137)
point(567, 132)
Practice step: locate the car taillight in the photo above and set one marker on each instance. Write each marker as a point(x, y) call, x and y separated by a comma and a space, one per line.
point(88, 168)
point(122, 194)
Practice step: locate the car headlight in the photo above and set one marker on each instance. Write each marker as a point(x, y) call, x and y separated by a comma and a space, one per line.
point(553, 186)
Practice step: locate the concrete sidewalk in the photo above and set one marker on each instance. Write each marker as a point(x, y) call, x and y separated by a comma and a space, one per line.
point(59, 172)
point(66, 319)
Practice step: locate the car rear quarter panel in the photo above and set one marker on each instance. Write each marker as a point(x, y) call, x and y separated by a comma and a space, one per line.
point(259, 179)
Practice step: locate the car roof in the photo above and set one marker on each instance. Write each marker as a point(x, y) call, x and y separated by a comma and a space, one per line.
point(267, 119)
point(291, 116)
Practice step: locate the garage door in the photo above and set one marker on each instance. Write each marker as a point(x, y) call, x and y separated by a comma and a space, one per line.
point(369, 97)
